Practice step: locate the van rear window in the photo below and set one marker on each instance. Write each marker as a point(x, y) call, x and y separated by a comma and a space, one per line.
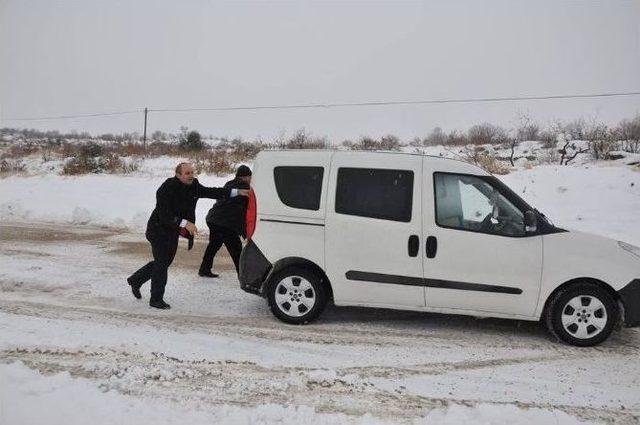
point(299, 187)
point(375, 193)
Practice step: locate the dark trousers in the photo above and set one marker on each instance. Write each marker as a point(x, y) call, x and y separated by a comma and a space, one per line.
point(217, 236)
point(163, 247)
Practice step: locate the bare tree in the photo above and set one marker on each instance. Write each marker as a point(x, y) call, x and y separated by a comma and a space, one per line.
point(527, 128)
point(390, 143)
point(436, 137)
point(304, 140)
point(629, 134)
point(456, 137)
point(570, 151)
point(601, 140)
point(481, 134)
point(575, 130)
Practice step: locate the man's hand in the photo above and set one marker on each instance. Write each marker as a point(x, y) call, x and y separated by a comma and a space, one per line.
point(191, 228)
point(243, 192)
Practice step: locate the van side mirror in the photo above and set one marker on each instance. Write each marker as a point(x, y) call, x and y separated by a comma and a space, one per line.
point(530, 222)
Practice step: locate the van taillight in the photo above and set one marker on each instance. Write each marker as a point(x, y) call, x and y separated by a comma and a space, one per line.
point(252, 214)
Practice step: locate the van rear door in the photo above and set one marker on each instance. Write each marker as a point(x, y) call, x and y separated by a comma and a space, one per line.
point(373, 229)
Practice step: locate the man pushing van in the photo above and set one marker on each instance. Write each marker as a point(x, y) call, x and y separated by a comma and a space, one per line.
point(226, 221)
point(173, 216)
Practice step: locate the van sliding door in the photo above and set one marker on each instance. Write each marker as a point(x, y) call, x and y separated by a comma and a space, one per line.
point(373, 229)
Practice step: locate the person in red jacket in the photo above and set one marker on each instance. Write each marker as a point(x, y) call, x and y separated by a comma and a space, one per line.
point(175, 213)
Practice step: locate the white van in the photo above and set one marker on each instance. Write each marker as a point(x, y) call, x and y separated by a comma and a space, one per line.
point(414, 232)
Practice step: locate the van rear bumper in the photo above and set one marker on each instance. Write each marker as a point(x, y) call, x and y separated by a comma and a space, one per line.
point(630, 297)
point(254, 268)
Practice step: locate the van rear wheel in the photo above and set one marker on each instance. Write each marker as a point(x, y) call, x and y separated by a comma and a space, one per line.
point(583, 314)
point(296, 295)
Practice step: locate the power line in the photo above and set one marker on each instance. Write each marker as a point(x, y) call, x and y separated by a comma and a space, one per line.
point(394, 103)
point(338, 105)
point(61, 117)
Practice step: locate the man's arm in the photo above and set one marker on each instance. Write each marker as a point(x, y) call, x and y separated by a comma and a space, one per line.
point(211, 192)
point(218, 192)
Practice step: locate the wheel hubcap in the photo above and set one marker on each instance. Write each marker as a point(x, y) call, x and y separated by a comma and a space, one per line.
point(295, 296)
point(584, 316)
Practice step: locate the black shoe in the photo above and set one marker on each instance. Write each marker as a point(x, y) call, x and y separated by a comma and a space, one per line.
point(159, 304)
point(206, 273)
point(135, 289)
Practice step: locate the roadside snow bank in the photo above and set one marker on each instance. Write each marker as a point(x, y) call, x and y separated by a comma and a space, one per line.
point(64, 400)
point(103, 200)
point(590, 198)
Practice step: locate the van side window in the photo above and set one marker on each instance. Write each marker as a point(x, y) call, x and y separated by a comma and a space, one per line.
point(471, 203)
point(299, 187)
point(375, 193)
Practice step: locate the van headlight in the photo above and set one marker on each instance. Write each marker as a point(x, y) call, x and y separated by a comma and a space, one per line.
point(635, 250)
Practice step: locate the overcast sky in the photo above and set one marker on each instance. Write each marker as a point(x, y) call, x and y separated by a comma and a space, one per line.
point(68, 57)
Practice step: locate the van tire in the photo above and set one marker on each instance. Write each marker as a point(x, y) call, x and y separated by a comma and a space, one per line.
point(287, 278)
point(585, 294)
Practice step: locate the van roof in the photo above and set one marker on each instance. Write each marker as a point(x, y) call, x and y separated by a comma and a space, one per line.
point(361, 152)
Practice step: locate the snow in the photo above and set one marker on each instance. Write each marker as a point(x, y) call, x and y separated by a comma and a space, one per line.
point(591, 198)
point(103, 199)
point(62, 399)
point(70, 330)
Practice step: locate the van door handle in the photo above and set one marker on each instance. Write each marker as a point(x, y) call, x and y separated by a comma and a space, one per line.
point(414, 245)
point(431, 246)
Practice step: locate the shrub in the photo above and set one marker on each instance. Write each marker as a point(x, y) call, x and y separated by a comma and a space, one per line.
point(82, 165)
point(390, 143)
point(216, 162)
point(436, 137)
point(478, 156)
point(240, 150)
point(527, 128)
point(457, 138)
point(629, 133)
point(302, 140)
point(91, 149)
point(129, 149)
point(21, 150)
point(386, 143)
point(11, 166)
point(190, 140)
point(575, 130)
point(548, 138)
point(481, 134)
point(601, 140)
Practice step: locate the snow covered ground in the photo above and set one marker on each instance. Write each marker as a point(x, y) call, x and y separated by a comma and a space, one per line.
point(73, 339)
point(75, 343)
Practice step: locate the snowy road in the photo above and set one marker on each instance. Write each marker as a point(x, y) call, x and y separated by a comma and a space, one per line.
point(72, 337)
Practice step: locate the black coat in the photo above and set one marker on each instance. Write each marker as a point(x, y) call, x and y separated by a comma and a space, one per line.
point(176, 201)
point(231, 213)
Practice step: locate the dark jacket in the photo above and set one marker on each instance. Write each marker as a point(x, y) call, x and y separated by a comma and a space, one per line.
point(231, 213)
point(176, 201)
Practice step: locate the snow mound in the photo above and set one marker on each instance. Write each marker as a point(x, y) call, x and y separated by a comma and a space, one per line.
point(65, 400)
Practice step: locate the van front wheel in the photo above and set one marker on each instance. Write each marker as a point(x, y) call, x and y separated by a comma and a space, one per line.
point(296, 295)
point(583, 314)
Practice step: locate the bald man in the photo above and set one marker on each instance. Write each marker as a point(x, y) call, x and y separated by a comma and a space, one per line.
point(175, 214)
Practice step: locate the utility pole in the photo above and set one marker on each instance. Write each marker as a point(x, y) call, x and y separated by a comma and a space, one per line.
point(144, 135)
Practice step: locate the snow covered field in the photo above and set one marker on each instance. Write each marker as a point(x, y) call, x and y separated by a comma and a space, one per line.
point(75, 343)
point(601, 198)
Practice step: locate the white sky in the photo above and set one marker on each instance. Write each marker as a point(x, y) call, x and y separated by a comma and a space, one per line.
point(68, 57)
